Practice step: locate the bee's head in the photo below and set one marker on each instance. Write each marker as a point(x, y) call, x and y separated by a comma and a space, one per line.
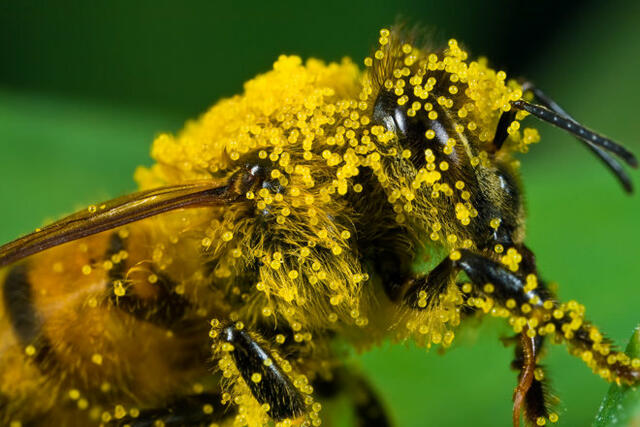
point(441, 106)
point(452, 172)
point(449, 127)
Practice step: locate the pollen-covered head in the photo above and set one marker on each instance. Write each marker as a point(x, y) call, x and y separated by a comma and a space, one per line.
point(437, 98)
point(451, 131)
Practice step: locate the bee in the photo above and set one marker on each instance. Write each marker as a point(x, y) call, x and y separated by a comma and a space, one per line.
point(324, 206)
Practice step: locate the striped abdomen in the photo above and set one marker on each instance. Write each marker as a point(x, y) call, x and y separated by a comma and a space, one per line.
point(95, 325)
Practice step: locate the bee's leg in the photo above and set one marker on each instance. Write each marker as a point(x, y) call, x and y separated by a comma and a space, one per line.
point(272, 385)
point(502, 133)
point(526, 297)
point(535, 313)
point(369, 409)
point(199, 409)
point(530, 392)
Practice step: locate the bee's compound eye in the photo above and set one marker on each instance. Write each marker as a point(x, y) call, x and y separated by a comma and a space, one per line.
point(388, 113)
point(418, 132)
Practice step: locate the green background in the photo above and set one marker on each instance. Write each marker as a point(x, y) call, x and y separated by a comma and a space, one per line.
point(84, 87)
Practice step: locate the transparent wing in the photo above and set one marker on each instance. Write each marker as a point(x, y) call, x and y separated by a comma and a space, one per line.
point(118, 212)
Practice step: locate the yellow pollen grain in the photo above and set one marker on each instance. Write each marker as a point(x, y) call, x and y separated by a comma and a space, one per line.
point(118, 290)
point(119, 412)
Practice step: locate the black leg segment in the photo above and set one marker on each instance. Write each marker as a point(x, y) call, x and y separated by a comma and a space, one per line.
point(501, 131)
point(266, 380)
point(529, 395)
point(481, 270)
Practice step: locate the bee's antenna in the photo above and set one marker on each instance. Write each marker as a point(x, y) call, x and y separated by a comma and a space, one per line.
point(596, 142)
point(614, 166)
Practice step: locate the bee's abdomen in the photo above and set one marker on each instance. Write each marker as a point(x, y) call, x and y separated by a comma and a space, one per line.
point(91, 325)
point(22, 315)
point(25, 353)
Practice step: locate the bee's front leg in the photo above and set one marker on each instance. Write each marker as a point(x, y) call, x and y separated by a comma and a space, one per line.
point(507, 288)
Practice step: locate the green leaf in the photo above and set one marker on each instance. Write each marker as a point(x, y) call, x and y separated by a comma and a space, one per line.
point(621, 405)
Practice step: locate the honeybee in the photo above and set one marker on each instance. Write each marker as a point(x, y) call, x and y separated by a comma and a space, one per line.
point(325, 205)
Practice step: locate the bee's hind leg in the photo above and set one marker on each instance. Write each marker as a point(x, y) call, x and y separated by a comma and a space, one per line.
point(367, 405)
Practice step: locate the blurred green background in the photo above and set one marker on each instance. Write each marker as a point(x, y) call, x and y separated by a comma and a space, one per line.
point(85, 86)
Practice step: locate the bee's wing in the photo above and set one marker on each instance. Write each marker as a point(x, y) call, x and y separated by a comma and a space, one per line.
point(120, 211)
